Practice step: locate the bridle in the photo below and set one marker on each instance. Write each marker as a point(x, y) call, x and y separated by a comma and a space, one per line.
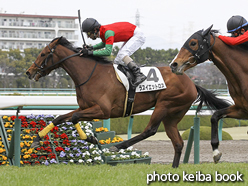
point(50, 55)
point(202, 53)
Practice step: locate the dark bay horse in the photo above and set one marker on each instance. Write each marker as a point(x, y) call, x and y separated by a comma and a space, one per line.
point(101, 96)
point(232, 61)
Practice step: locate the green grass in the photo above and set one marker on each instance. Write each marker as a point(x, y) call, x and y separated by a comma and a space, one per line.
point(120, 175)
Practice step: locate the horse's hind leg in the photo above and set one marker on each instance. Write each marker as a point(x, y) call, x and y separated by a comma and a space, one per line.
point(170, 125)
point(150, 130)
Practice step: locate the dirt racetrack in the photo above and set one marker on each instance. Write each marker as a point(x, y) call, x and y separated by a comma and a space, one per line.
point(162, 151)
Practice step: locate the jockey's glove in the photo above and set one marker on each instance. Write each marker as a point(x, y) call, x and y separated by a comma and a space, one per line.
point(88, 47)
point(86, 52)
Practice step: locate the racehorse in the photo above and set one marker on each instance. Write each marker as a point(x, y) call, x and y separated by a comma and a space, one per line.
point(231, 61)
point(100, 95)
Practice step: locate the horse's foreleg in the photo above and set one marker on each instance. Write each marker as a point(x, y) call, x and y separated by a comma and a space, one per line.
point(230, 112)
point(49, 127)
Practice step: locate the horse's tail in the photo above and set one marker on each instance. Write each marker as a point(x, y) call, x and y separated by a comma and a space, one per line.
point(210, 100)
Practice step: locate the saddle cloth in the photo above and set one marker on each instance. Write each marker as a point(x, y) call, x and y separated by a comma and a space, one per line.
point(153, 82)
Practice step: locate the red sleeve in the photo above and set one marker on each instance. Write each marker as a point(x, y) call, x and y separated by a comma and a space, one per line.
point(235, 40)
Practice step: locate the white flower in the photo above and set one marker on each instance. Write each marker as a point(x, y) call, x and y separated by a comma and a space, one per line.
point(146, 154)
point(105, 150)
point(89, 160)
point(80, 161)
point(87, 153)
point(113, 156)
point(71, 160)
point(94, 152)
point(98, 158)
point(130, 148)
point(121, 151)
point(91, 146)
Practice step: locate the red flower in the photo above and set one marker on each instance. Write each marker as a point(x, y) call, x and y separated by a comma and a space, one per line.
point(46, 137)
point(42, 158)
point(66, 142)
point(37, 163)
point(56, 143)
point(64, 136)
point(42, 123)
point(52, 156)
point(26, 162)
point(24, 124)
point(13, 118)
point(22, 118)
point(34, 129)
point(34, 156)
point(59, 149)
point(48, 149)
point(56, 135)
point(33, 124)
point(46, 143)
point(55, 129)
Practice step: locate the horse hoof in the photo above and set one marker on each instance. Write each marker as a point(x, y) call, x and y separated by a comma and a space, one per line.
point(36, 142)
point(92, 139)
point(217, 156)
point(113, 149)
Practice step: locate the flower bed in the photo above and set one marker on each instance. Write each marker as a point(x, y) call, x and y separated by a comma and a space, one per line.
point(63, 145)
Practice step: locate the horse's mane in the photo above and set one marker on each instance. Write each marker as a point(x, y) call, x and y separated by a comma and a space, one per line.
point(64, 42)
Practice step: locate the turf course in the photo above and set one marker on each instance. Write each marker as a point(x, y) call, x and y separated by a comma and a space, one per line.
point(121, 175)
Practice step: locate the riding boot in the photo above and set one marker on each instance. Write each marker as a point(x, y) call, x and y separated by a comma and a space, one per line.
point(139, 77)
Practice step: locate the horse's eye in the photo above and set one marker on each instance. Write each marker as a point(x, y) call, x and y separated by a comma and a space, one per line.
point(42, 55)
point(193, 43)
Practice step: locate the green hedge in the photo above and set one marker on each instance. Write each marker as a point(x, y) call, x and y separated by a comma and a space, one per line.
point(120, 125)
point(205, 134)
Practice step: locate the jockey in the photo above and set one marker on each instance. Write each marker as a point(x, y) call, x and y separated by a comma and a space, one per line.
point(125, 32)
point(237, 26)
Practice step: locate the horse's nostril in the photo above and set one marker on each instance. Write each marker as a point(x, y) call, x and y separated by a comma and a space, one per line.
point(174, 64)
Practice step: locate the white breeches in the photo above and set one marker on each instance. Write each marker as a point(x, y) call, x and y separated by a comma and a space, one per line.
point(131, 46)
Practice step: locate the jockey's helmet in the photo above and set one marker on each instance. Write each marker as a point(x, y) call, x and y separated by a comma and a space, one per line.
point(235, 23)
point(90, 24)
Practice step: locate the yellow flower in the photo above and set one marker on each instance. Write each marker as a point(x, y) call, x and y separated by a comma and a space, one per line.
point(102, 142)
point(108, 141)
point(5, 158)
point(2, 150)
point(4, 117)
point(96, 120)
point(22, 144)
point(9, 131)
point(98, 130)
point(6, 124)
point(9, 118)
point(4, 162)
point(30, 151)
point(26, 156)
point(9, 139)
point(106, 130)
point(21, 162)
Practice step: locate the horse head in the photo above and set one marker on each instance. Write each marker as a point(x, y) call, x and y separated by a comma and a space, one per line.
point(194, 51)
point(45, 62)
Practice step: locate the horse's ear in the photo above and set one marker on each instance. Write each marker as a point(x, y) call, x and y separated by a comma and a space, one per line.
point(205, 32)
point(60, 39)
